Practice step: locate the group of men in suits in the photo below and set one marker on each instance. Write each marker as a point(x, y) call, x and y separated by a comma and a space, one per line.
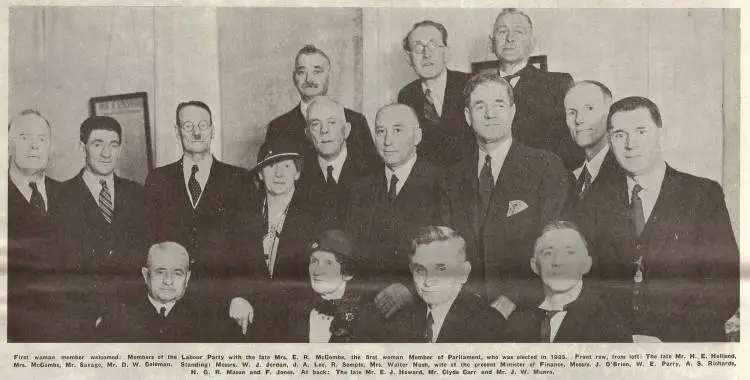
point(497, 159)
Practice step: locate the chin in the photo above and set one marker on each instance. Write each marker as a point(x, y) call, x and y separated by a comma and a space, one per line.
point(560, 285)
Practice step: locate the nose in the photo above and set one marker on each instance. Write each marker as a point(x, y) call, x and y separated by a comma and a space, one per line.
point(315, 269)
point(579, 119)
point(429, 280)
point(35, 143)
point(490, 112)
point(324, 129)
point(630, 142)
point(387, 141)
point(168, 279)
point(278, 172)
point(510, 36)
point(106, 151)
point(427, 53)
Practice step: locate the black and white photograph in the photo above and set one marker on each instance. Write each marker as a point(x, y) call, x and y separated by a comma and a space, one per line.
point(196, 174)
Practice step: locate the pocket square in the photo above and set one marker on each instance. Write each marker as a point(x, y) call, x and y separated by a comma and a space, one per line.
point(516, 206)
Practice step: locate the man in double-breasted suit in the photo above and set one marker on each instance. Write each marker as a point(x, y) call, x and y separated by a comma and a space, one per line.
point(540, 113)
point(311, 76)
point(501, 196)
point(662, 239)
point(197, 200)
point(387, 207)
point(436, 96)
point(446, 311)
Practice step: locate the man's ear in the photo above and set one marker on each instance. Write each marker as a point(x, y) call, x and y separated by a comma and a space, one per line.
point(417, 135)
point(348, 277)
point(409, 58)
point(586, 265)
point(144, 273)
point(513, 112)
point(187, 278)
point(534, 266)
point(82, 148)
point(347, 130)
point(467, 115)
point(465, 270)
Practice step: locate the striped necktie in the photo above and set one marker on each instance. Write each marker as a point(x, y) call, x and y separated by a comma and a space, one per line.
point(105, 202)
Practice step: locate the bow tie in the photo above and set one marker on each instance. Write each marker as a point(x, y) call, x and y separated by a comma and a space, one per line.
point(326, 307)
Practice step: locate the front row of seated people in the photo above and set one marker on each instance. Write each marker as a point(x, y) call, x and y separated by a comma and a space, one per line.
point(333, 308)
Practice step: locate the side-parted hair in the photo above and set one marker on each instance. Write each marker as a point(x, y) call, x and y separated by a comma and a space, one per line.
point(318, 100)
point(311, 49)
point(560, 225)
point(482, 78)
point(440, 27)
point(167, 246)
point(194, 103)
point(30, 111)
point(514, 11)
point(633, 103)
point(433, 234)
point(602, 87)
point(94, 123)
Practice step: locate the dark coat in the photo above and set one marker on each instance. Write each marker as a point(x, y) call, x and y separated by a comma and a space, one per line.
point(452, 139)
point(469, 320)
point(609, 171)
point(210, 231)
point(540, 114)
point(588, 320)
point(691, 278)
point(90, 244)
point(385, 229)
point(500, 246)
point(291, 126)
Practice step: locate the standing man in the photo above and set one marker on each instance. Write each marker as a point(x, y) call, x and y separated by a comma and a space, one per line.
point(540, 113)
point(663, 238)
point(334, 167)
point(390, 205)
point(197, 201)
point(501, 196)
point(436, 96)
point(311, 76)
point(586, 107)
point(32, 196)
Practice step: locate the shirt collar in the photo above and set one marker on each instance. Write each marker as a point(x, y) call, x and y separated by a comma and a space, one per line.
point(22, 182)
point(497, 155)
point(204, 166)
point(337, 162)
point(93, 182)
point(514, 68)
point(561, 300)
point(439, 312)
point(303, 108)
point(158, 305)
point(402, 172)
point(595, 165)
point(650, 181)
point(438, 86)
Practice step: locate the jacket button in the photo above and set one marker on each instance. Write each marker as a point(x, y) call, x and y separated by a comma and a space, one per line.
point(111, 251)
point(639, 247)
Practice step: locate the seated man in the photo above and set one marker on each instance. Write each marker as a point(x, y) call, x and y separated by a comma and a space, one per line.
point(334, 312)
point(571, 311)
point(448, 313)
point(164, 315)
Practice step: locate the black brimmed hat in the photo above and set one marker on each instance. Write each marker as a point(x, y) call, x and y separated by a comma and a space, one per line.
point(275, 151)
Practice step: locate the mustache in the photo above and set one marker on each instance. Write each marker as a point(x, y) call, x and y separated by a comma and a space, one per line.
point(307, 84)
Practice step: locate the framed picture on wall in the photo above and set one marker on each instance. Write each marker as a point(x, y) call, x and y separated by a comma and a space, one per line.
point(131, 111)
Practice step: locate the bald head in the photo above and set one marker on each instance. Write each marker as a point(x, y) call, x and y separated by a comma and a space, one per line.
point(397, 134)
point(29, 143)
point(327, 127)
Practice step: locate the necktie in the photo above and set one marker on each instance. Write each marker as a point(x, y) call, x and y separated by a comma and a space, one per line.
point(105, 202)
point(428, 328)
point(636, 210)
point(584, 182)
point(36, 200)
point(329, 176)
point(509, 77)
point(392, 188)
point(430, 112)
point(194, 186)
point(163, 312)
point(486, 183)
point(547, 326)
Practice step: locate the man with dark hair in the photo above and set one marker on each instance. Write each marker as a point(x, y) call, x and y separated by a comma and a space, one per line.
point(436, 96)
point(586, 107)
point(662, 238)
point(197, 201)
point(446, 311)
point(500, 196)
point(32, 199)
point(540, 113)
point(311, 76)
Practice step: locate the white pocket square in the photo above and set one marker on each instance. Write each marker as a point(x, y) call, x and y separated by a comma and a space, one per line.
point(514, 207)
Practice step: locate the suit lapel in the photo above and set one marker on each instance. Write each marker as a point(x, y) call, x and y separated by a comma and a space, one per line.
point(450, 96)
point(180, 189)
point(469, 194)
point(510, 174)
point(212, 188)
point(119, 201)
point(657, 229)
point(91, 210)
point(455, 320)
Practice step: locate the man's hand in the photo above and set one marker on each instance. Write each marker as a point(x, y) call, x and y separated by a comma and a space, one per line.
point(242, 312)
point(504, 305)
point(392, 299)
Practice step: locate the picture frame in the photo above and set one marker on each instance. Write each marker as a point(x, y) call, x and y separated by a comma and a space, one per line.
point(131, 111)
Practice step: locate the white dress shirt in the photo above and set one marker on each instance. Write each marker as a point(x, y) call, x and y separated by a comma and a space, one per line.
point(158, 305)
point(651, 184)
point(22, 184)
point(402, 173)
point(514, 69)
point(320, 327)
point(439, 312)
point(204, 169)
point(593, 166)
point(498, 158)
point(303, 108)
point(93, 182)
point(337, 163)
point(557, 305)
point(437, 91)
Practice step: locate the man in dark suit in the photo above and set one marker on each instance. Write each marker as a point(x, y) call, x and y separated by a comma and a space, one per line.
point(197, 200)
point(166, 314)
point(501, 196)
point(32, 196)
point(436, 96)
point(329, 173)
point(446, 311)
point(571, 310)
point(312, 70)
point(388, 206)
point(540, 113)
point(663, 239)
point(586, 107)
